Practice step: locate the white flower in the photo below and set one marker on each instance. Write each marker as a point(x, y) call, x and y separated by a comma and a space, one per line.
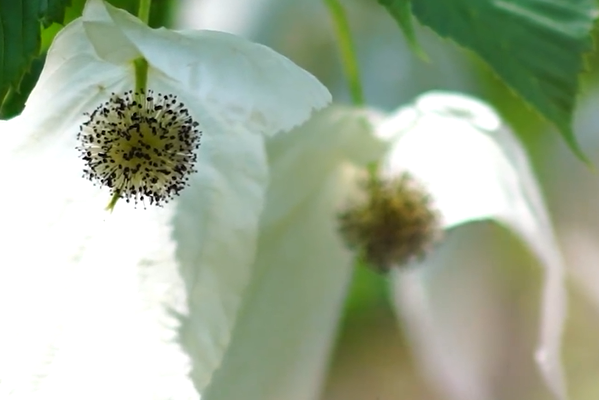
point(130, 305)
point(282, 339)
point(474, 169)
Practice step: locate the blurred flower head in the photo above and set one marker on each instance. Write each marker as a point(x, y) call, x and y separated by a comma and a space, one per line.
point(393, 223)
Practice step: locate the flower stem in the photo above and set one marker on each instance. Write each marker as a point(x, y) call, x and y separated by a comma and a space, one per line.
point(143, 12)
point(349, 61)
point(141, 82)
point(115, 197)
point(141, 74)
point(141, 65)
point(346, 47)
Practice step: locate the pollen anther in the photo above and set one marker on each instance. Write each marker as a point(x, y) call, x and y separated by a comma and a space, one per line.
point(140, 145)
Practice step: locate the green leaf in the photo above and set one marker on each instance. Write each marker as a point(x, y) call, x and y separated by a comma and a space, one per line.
point(54, 11)
point(14, 102)
point(536, 46)
point(20, 24)
point(401, 12)
point(53, 20)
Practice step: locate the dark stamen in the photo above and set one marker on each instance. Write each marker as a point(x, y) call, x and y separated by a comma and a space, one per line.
point(141, 145)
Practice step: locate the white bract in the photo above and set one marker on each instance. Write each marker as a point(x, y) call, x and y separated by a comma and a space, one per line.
point(137, 304)
point(286, 326)
point(473, 167)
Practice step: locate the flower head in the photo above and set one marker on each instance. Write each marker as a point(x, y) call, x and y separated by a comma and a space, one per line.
point(394, 225)
point(141, 146)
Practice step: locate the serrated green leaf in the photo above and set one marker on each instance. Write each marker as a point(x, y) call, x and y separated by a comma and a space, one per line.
point(53, 11)
point(400, 10)
point(20, 23)
point(14, 102)
point(536, 46)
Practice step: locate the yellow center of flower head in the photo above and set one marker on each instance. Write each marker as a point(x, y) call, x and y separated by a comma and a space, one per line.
point(394, 224)
point(141, 145)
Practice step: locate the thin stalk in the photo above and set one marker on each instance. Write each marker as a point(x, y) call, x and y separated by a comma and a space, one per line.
point(141, 74)
point(346, 48)
point(141, 65)
point(115, 197)
point(143, 12)
point(141, 81)
point(349, 61)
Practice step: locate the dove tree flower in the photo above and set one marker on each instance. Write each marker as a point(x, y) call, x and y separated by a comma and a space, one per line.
point(473, 168)
point(479, 172)
point(138, 303)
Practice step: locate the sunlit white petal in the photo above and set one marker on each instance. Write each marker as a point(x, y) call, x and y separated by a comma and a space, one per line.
point(246, 82)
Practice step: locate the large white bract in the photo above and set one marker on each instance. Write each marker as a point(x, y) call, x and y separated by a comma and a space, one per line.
point(137, 304)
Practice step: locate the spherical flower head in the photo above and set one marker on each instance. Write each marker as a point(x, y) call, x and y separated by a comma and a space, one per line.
point(141, 146)
point(393, 225)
